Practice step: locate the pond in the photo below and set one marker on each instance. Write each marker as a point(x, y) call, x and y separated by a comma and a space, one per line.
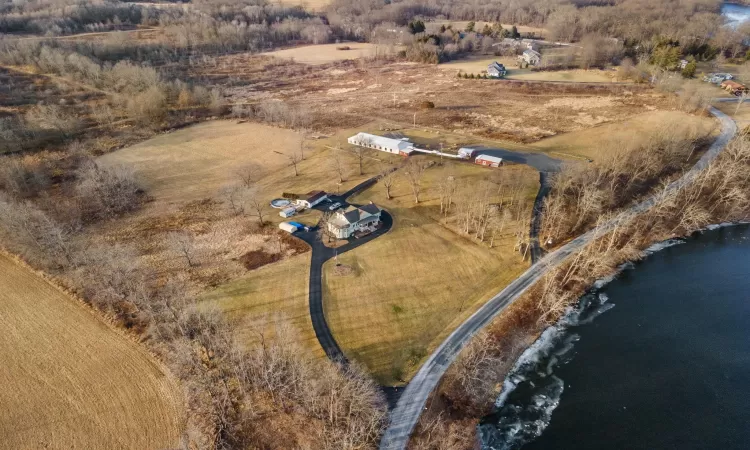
point(658, 358)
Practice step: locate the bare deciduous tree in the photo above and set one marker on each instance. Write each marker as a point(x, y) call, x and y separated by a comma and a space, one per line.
point(183, 243)
point(413, 171)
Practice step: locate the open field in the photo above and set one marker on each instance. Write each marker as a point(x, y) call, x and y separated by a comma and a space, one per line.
point(409, 287)
point(477, 64)
point(195, 162)
point(269, 296)
point(314, 5)
point(70, 381)
point(593, 142)
point(741, 115)
point(349, 95)
point(326, 53)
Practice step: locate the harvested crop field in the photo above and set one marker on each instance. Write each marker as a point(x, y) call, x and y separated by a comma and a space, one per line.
point(70, 381)
point(327, 53)
point(195, 162)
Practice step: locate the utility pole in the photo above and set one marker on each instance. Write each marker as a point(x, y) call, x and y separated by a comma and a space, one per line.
point(415, 119)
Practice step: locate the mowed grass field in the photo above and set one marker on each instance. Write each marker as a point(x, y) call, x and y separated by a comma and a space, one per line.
point(273, 295)
point(195, 162)
point(594, 142)
point(70, 381)
point(326, 53)
point(414, 285)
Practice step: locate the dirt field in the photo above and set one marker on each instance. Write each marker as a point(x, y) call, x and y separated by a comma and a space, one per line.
point(326, 53)
point(592, 142)
point(70, 381)
point(412, 286)
point(195, 162)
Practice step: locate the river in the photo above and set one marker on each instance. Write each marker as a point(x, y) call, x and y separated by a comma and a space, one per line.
point(659, 358)
point(735, 14)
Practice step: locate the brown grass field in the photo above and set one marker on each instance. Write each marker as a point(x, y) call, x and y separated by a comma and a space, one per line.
point(413, 286)
point(326, 53)
point(71, 381)
point(592, 142)
point(195, 162)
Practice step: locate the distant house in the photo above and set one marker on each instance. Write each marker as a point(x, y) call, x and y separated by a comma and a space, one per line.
point(396, 146)
point(733, 87)
point(345, 223)
point(496, 70)
point(287, 212)
point(531, 57)
point(313, 198)
point(489, 161)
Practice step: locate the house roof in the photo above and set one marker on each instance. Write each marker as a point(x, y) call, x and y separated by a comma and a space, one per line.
point(371, 208)
point(496, 65)
point(489, 158)
point(532, 52)
point(313, 196)
point(380, 141)
point(353, 214)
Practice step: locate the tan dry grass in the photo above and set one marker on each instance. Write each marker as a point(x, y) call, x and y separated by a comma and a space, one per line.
point(326, 53)
point(263, 297)
point(70, 381)
point(593, 142)
point(413, 286)
point(195, 162)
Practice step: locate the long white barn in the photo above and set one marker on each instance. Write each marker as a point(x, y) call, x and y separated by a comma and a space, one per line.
point(395, 146)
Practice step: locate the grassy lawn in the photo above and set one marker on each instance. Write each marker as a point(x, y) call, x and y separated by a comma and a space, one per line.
point(325, 53)
point(477, 64)
point(413, 286)
point(271, 295)
point(592, 142)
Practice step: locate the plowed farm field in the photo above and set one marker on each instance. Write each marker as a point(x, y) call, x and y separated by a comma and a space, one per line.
point(68, 380)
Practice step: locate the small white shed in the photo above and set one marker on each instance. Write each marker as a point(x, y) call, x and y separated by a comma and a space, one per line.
point(288, 212)
point(288, 227)
point(466, 152)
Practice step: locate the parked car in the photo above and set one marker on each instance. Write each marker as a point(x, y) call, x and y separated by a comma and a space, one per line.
point(334, 207)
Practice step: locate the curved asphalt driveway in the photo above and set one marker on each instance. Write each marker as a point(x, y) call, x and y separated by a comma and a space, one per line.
point(413, 399)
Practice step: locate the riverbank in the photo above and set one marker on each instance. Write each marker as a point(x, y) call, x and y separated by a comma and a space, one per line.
point(681, 310)
point(469, 388)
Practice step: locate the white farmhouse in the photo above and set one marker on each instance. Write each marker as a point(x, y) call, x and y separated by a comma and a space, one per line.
point(531, 57)
point(345, 223)
point(396, 146)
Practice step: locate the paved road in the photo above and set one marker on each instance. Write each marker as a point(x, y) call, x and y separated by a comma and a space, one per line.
point(409, 407)
point(536, 217)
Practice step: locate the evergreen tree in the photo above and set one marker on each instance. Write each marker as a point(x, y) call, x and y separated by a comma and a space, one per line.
point(514, 32)
point(470, 27)
point(689, 70)
point(416, 26)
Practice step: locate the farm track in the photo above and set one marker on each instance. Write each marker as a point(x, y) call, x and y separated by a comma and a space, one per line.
point(413, 399)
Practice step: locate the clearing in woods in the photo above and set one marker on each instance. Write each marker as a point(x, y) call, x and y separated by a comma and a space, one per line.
point(326, 53)
point(477, 64)
point(70, 381)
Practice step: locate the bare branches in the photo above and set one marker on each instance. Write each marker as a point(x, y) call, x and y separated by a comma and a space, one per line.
point(413, 171)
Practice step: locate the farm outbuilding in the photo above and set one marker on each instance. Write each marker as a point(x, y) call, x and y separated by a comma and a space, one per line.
point(313, 198)
point(288, 227)
point(287, 212)
point(489, 161)
point(396, 146)
point(466, 152)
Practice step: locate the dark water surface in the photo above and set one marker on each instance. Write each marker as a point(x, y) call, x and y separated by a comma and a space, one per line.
point(668, 367)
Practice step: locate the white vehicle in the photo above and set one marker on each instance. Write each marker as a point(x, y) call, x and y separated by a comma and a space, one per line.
point(334, 207)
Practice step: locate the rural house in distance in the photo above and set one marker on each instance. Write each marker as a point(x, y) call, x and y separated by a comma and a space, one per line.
point(313, 198)
point(345, 223)
point(496, 70)
point(531, 57)
point(489, 161)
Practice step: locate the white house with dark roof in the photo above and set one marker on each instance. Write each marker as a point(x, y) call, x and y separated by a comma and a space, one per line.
point(531, 57)
point(496, 70)
point(345, 223)
point(396, 146)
